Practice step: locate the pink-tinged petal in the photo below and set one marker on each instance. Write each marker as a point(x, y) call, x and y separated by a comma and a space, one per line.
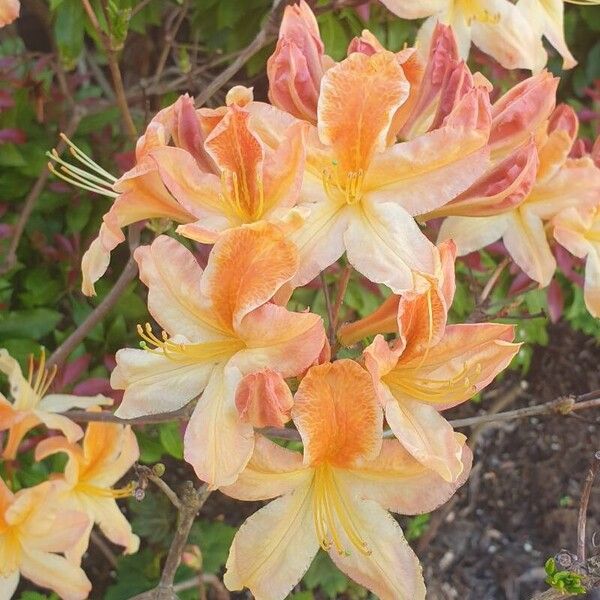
point(9, 11)
point(519, 113)
point(501, 189)
point(336, 412)
point(245, 269)
point(320, 240)
point(274, 547)
point(526, 241)
point(272, 471)
point(173, 277)
point(556, 301)
point(284, 341)
point(546, 17)
point(216, 443)
point(398, 482)
point(472, 233)
point(196, 190)
point(432, 169)
point(382, 320)
point(384, 243)
point(465, 361)
point(8, 585)
point(72, 431)
point(577, 184)
point(353, 123)
point(510, 39)
point(56, 573)
point(426, 435)
point(442, 59)
point(407, 9)
point(149, 380)
point(391, 569)
point(264, 399)
point(67, 528)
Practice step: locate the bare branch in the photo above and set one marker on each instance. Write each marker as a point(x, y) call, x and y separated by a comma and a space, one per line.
point(583, 504)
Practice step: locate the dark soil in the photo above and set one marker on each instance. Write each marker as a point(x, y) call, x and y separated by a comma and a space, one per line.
point(520, 504)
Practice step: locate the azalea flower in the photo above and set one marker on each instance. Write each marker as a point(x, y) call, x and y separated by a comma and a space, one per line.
point(362, 189)
point(33, 534)
point(512, 34)
point(31, 406)
point(556, 183)
point(334, 496)
point(9, 11)
point(430, 367)
point(219, 326)
point(108, 451)
point(579, 232)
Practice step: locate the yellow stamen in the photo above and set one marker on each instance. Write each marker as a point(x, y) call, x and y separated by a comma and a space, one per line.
point(240, 200)
point(426, 389)
point(330, 510)
point(40, 380)
point(200, 352)
point(349, 191)
point(94, 490)
point(474, 11)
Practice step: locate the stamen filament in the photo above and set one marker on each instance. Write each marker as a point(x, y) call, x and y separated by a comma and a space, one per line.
point(94, 490)
point(78, 184)
point(88, 177)
point(84, 158)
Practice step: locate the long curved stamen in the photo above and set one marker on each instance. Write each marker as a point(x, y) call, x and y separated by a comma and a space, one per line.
point(175, 351)
point(94, 490)
point(92, 177)
point(330, 510)
point(428, 389)
point(43, 377)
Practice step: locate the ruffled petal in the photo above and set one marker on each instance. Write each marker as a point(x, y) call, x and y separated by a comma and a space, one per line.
point(400, 483)
point(274, 547)
point(272, 471)
point(336, 412)
point(216, 442)
point(279, 339)
point(472, 233)
point(391, 570)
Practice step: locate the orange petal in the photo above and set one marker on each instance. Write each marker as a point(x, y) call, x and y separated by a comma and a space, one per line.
point(382, 320)
point(245, 269)
point(562, 132)
point(356, 124)
point(335, 411)
point(9, 11)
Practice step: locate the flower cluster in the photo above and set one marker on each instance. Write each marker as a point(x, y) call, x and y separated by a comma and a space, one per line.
point(360, 158)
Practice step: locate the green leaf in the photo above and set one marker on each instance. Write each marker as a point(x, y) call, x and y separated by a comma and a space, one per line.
point(325, 575)
point(78, 215)
point(170, 438)
point(416, 527)
point(135, 574)
point(153, 518)
point(69, 26)
point(214, 539)
point(151, 450)
point(33, 323)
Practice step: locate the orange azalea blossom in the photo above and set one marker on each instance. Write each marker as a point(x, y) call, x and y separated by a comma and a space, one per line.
point(579, 232)
point(216, 175)
point(32, 407)
point(107, 453)
point(555, 182)
point(34, 531)
point(430, 367)
point(335, 496)
point(362, 189)
point(219, 326)
point(509, 32)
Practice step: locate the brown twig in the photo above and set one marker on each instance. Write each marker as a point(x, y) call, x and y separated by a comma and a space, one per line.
point(148, 474)
point(169, 40)
point(84, 416)
point(341, 293)
point(588, 484)
point(191, 500)
point(221, 592)
point(127, 276)
point(11, 255)
point(262, 39)
point(329, 308)
point(113, 65)
point(492, 281)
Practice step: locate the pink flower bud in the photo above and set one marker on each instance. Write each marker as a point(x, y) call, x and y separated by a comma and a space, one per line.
point(295, 68)
point(264, 399)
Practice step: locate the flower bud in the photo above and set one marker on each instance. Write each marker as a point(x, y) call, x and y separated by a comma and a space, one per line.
point(264, 399)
